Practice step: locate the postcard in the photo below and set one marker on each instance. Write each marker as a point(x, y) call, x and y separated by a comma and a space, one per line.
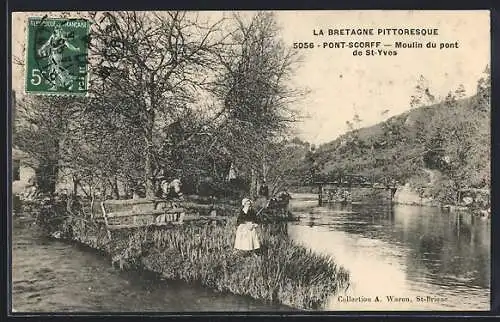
point(241, 161)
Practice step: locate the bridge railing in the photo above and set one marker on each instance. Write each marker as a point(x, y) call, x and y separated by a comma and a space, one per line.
point(354, 180)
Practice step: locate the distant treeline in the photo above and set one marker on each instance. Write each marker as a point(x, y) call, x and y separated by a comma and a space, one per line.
point(440, 146)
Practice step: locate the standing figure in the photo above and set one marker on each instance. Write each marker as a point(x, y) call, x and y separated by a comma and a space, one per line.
point(54, 48)
point(172, 198)
point(247, 239)
point(173, 190)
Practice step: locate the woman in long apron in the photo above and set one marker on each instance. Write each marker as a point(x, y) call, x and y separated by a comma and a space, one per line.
point(247, 239)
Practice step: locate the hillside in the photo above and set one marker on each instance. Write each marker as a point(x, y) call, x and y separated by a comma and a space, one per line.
point(448, 143)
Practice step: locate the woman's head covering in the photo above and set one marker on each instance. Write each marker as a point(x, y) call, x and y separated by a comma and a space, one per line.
point(244, 201)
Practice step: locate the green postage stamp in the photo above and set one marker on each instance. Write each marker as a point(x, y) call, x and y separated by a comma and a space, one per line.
point(57, 56)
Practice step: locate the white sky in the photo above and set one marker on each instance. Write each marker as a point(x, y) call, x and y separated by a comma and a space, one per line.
point(342, 84)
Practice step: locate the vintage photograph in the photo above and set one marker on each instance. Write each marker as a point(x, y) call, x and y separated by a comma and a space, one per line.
point(241, 161)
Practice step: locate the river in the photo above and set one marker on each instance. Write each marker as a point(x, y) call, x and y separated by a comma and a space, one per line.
point(400, 251)
point(428, 258)
point(54, 276)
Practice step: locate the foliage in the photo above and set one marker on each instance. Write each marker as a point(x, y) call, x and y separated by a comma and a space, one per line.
point(170, 96)
point(150, 68)
point(43, 124)
point(451, 138)
point(255, 91)
point(284, 273)
point(203, 253)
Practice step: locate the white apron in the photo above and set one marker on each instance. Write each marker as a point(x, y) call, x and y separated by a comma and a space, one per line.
point(246, 238)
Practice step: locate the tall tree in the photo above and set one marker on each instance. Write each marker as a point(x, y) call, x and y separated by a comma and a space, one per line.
point(256, 94)
point(43, 129)
point(149, 68)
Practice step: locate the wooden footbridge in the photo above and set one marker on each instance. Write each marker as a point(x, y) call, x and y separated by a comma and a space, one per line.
point(345, 183)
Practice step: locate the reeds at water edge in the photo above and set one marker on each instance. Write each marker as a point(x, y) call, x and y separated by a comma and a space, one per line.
point(282, 273)
point(202, 252)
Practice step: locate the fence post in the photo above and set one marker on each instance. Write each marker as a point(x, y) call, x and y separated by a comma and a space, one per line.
point(320, 195)
point(105, 217)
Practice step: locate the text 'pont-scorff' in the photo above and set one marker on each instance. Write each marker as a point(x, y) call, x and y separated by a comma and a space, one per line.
point(385, 41)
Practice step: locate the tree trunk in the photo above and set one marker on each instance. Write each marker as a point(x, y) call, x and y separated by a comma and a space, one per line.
point(76, 181)
point(53, 169)
point(149, 175)
point(148, 166)
point(92, 201)
point(104, 190)
point(129, 188)
point(116, 192)
point(46, 175)
point(254, 184)
point(265, 170)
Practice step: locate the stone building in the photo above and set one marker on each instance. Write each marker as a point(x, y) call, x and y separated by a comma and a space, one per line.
point(23, 175)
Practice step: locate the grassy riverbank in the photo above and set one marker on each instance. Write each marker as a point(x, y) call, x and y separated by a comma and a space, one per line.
point(203, 254)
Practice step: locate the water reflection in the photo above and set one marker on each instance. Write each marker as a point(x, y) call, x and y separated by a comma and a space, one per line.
point(405, 251)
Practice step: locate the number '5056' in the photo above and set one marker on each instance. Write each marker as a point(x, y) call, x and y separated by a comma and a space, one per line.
point(303, 45)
